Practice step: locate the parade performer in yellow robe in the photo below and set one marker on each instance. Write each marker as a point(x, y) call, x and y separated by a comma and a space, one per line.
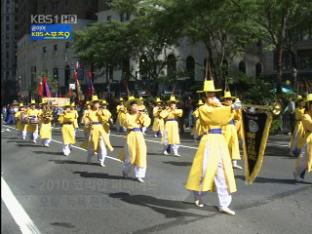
point(20, 121)
point(197, 130)
point(304, 161)
point(212, 165)
point(121, 111)
point(45, 119)
point(66, 119)
point(142, 108)
point(107, 121)
point(98, 137)
point(75, 123)
point(134, 152)
point(171, 136)
point(298, 136)
point(33, 121)
point(230, 132)
point(86, 125)
point(158, 123)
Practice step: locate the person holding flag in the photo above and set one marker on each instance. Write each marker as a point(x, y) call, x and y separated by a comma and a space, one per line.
point(108, 116)
point(230, 132)
point(304, 161)
point(66, 119)
point(98, 138)
point(158, 123)
point(171, 137)
point(121, 111)
point(46, 117)
point(73, 110)
point(212, 167)
point(142, 108)
point(134, 152)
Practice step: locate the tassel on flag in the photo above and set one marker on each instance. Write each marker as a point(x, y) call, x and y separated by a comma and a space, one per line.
point(75, 76)
point(40, 89)
point(46, 87)
point(90, 84)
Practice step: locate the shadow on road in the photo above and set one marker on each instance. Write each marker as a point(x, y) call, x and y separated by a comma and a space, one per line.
point(72, 162)
point(100, 175)
point(272, 180)
point(29, 145)
point(180, 164)
point(47, 152)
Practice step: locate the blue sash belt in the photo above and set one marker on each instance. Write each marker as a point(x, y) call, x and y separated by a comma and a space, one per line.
point(170, 120)
point(232, 122)
point(135, 130)
point(215, 131)
point(95, 123)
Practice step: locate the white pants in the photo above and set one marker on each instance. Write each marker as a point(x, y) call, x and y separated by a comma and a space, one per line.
point(168, 147)
point(139, 172)
point(46, 142)
point(24, 134)
point(35, 134)
point(302, 163)
point(102, 152)
point(66, 149)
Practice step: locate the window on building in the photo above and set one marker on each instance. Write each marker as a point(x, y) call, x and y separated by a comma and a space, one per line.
point(171, 65)
point(67, 76)
point(143, 67)
point(190, 67)
point(44, 49)
point(55, 73)
point(258, 69)
point(242, 66)
point(7, 27)
point(55, 47)
point(7, 18)
point(305, 59)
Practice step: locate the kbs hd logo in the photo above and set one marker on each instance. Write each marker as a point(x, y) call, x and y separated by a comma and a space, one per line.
point(53, 19)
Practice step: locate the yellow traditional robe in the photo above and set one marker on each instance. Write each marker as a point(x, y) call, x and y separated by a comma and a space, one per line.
point(307, 124)
point(158, 123)
point(96, 118)
point(230, 133)
point(298, 136)
point(75, 123)
point(136, 145)
point(68, 132)
point(211, 118)
point(45, 125)
point(33, 120)
point(198, 129)
point(18, 118)
point(121, 111)
point(107, 115)
point(171, 127)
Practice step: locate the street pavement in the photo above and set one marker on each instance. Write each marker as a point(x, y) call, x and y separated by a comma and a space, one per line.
point(66, 195)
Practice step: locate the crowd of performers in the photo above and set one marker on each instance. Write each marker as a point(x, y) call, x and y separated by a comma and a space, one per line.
point(217, 128)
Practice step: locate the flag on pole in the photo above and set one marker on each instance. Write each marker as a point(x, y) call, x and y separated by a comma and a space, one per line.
point(40, 89)
point(46, 90)
point(75, 76)
point(90, 84)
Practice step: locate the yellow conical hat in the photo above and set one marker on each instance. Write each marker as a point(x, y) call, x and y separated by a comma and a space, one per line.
point(87, 102)
point(227, 94)
point(121, 99)
point(158, 100)
point(104, 102)
point(131, 99)
point(32, 102)
point(309, 97)
point(94, 98)
point(200, 102)
point(67, 103)
point(73, 104)
point(299, 98)
point(141, 98)
point(209, 87)
point(173, 99)
point(21, 104)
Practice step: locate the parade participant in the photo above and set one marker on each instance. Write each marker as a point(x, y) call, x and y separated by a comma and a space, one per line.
point(212, 167)
point(66, 119)
point(197, 130)
point(158, 123)
point(98, 138)
point(20, 121)
point(230, 132)
point(121, 110)
point(75, 123)
point(84, 120)
point(9, 119)
point(33, 121)
point(304, 162)
point(298, 136)
point(46, 117)
point(107, 121)
point(134, 152)
point(142, 108)
point(171, 136)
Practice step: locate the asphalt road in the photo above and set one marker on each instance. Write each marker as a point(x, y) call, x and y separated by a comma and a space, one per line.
point(65, 195)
